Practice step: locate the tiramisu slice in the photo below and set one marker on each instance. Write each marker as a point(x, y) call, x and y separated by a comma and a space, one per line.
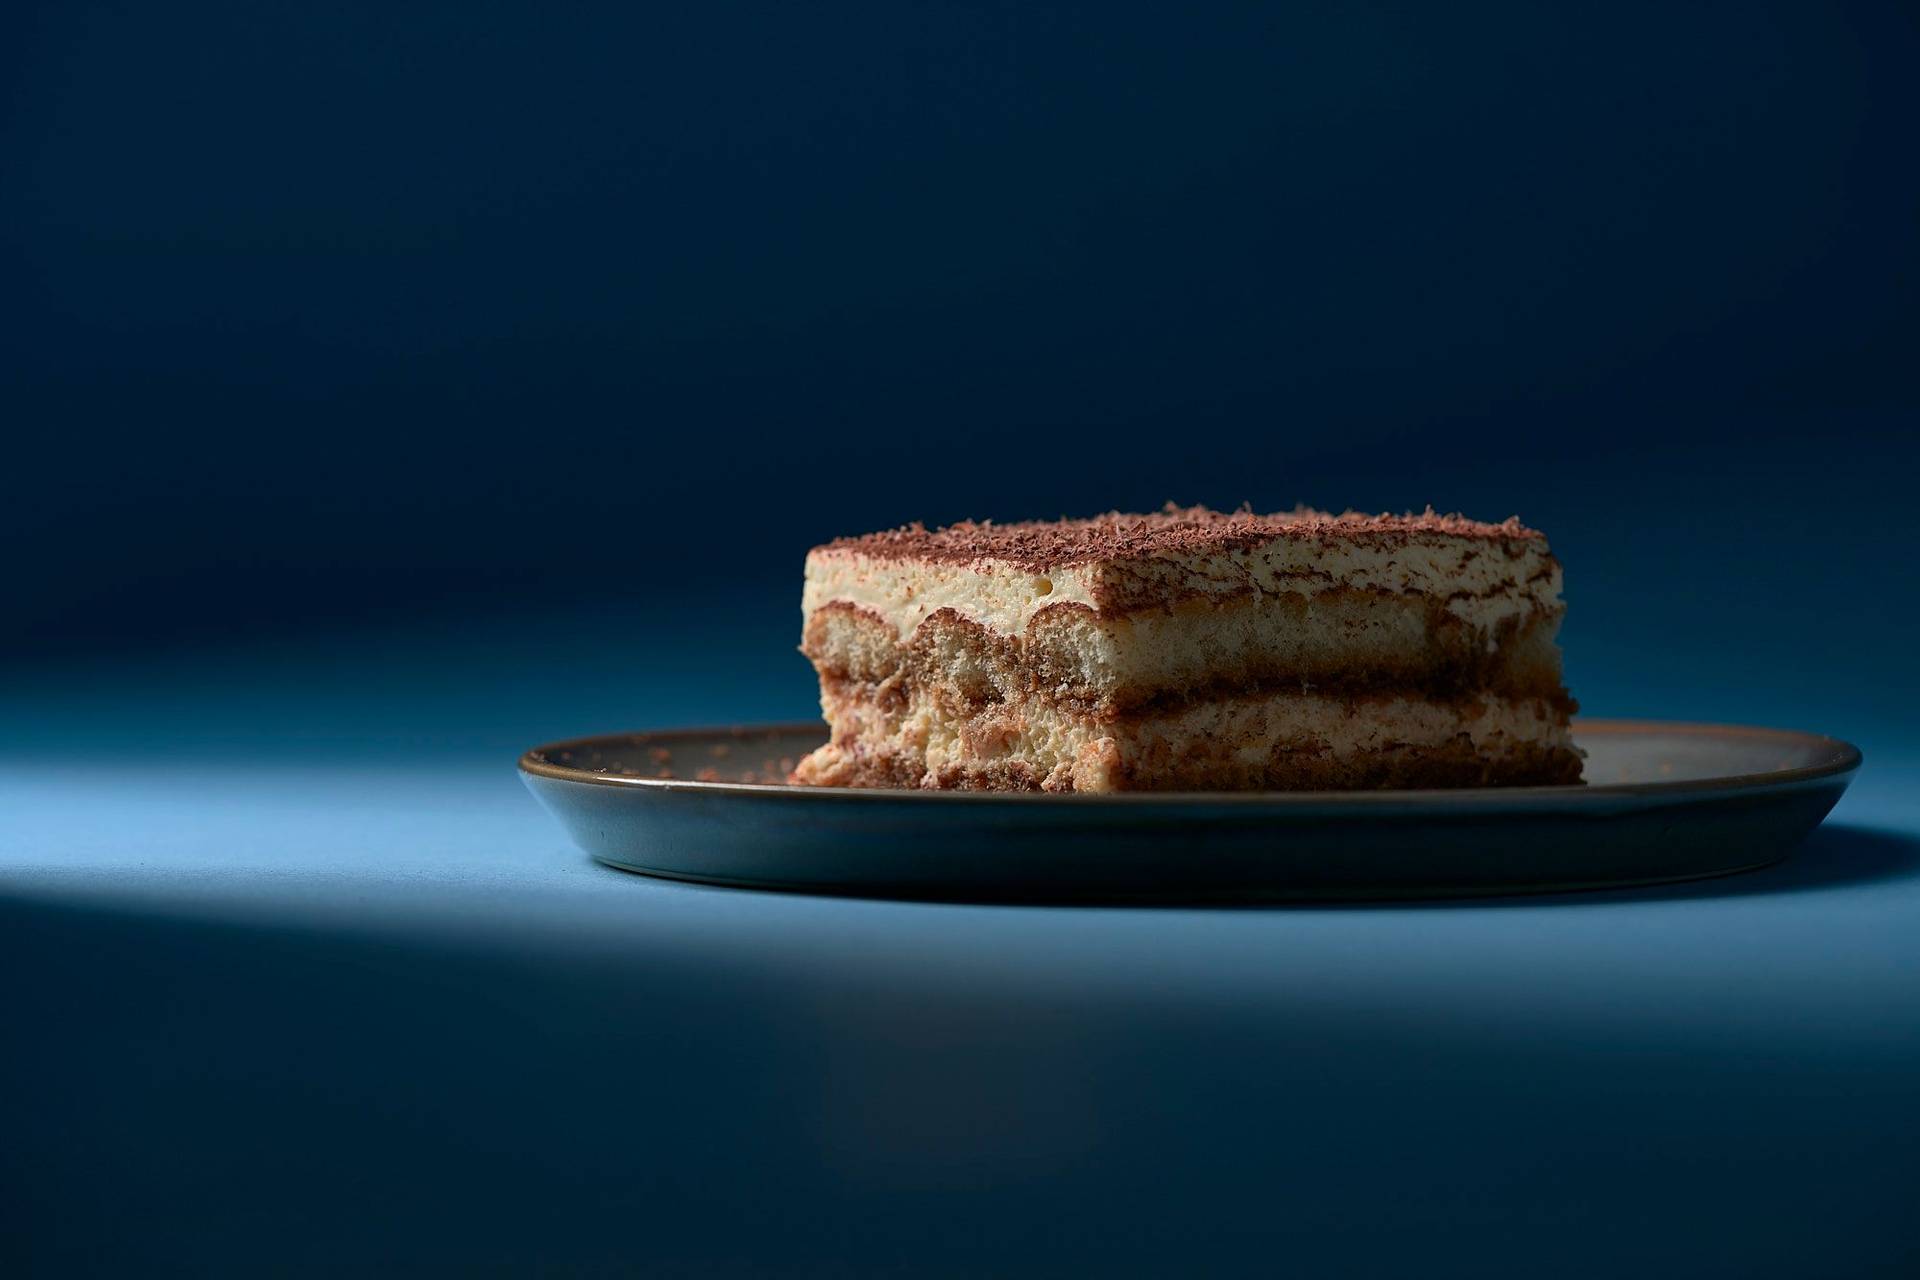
point(1190, 650)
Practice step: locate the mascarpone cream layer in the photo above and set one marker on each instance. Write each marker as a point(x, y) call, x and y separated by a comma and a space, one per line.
point(1483, 583)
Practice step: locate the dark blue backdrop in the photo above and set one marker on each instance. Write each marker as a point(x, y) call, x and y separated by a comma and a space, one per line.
point(420, 382)
point(344, 313)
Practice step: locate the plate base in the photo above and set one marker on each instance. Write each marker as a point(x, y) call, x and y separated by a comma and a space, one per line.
point(1665, 803)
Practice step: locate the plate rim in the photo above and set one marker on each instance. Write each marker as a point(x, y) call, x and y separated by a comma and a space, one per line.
point(1846, 759)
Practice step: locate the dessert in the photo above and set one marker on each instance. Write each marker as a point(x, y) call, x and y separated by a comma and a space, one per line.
point(1190, 650)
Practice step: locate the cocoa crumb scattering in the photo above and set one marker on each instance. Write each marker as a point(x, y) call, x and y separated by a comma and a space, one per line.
point(1041, 544)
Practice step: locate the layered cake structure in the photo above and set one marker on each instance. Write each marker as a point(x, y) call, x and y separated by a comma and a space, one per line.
point(1190, 650)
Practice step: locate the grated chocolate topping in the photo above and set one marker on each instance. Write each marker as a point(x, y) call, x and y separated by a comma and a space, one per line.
point(1173, 530)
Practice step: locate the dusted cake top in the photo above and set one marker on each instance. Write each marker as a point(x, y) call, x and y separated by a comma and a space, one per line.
point(1038, 545)
point(1003, 576)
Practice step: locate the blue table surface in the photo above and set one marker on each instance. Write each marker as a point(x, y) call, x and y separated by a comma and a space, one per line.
point(304, 978)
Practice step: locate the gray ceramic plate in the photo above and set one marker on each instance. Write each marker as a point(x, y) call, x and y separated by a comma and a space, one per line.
point(1662, 802)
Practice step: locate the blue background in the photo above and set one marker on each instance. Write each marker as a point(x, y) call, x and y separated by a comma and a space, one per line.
point(387, 390)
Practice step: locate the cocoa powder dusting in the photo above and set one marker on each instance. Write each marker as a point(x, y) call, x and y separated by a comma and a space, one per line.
point(1042, 544)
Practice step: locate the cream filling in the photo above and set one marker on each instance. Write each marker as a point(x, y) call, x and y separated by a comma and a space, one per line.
point(1152, 651)
point(1042, 736)
point(1005, 599)
point(905, 592)
point(1193, 644)
point(1147, 654)
point(1232, 734)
